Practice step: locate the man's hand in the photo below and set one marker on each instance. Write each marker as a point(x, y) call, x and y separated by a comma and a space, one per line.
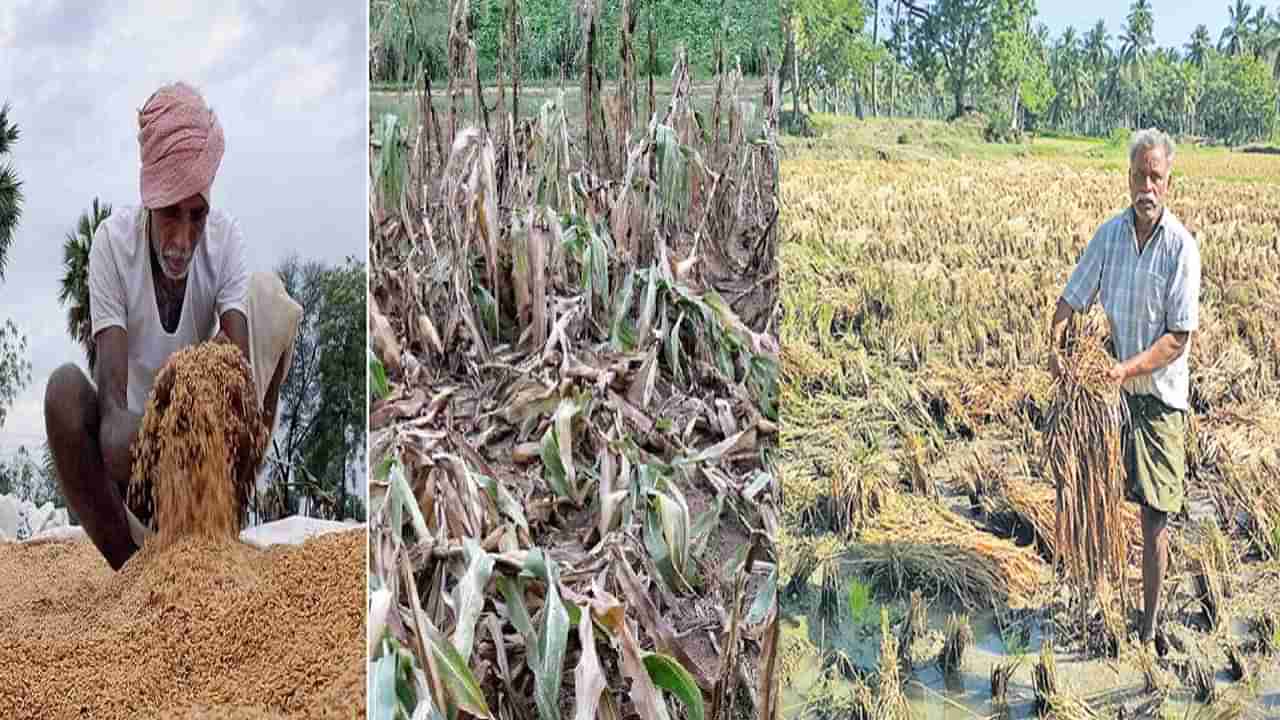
point(1057, 336)
point(1055, 364)
point(1118, 373)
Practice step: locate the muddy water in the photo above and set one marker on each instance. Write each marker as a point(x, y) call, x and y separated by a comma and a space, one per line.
point(1103, 683)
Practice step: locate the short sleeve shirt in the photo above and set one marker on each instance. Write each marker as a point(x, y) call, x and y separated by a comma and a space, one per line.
point(1144, 295)
point(122, 291)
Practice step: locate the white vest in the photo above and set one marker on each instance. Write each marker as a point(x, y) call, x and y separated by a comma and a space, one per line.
point(122, 291)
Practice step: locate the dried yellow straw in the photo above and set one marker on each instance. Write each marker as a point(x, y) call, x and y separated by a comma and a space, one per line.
point(1084, 448)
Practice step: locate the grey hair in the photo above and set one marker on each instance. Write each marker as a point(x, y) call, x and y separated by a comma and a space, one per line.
point(1150, 138)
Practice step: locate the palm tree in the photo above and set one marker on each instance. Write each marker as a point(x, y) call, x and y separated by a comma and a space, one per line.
point(1235, 35)
point(1097, 59)
point(1257, 30)
point(1268, 45)
point(1069, 78)
point(1198, 48)
point(10, 188)
point(1134, 41)
point(75, 276)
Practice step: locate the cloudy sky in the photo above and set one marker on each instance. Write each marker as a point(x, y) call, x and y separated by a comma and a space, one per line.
point(287, 83)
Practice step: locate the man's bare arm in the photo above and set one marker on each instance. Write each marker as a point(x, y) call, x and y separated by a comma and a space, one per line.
point(119, 427)
point(236, 327)
point(1164, 351)
point(1058, 334)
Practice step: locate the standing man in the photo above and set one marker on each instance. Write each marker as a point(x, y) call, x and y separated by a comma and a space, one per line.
point(1144, 266)
point(162, 277)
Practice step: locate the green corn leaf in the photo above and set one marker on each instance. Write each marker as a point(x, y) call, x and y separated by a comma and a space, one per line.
point(457, 676)
point(469, 595)
point(378, 378)
point(668, 674)
point(621, 335)
point(553, 640)
point(383, 703)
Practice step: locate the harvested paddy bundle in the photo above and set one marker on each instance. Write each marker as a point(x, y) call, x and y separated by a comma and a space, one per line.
point(202, 435)
point(966, 401)
point(1084, 450)
point(1253, 494)
point(891, 702)
point(851, 498)
point(862, 701)
point(1113, 628)
point(829, 597)
point(913, 628)
point(1045, 677)
point(1052, 699)
point(839, 663)
point(1001, 675)
point(915, 476)
point(1200, 678)
point(1207, 579)
point(800, 578)
point(1264, 625)
point(1238, 664)
point(959, 636)
point(1154, 679)
point(1034, 506)
point(927, 547)
point(1215, 545)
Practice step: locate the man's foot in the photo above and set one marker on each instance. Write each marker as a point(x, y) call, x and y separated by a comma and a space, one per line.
point(1161, 642)
point(1157, 645)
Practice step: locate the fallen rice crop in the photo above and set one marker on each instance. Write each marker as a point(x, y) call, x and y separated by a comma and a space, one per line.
point(914, 336)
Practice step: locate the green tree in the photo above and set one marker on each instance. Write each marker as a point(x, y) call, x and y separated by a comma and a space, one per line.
point(1239, 102)
point(1017, 63)
point(74, 285)
point(1070, 78)
point(1198, 48)
point(10, 188)
point(832, 52)
point(29, 480)
point(1235, 36)
point(956, 28)
point(15, 368)
point(320, 441)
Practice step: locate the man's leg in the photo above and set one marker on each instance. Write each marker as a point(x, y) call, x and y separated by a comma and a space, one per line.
point(1155, 561)
point(71, 421)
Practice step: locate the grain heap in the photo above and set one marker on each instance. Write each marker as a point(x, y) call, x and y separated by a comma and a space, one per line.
point(199, 628)
point(201, 437)
point(1084, 454)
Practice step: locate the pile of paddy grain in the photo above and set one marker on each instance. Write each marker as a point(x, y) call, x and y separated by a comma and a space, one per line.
point(198, 628)
point(1085, 452)
point(196, 624)
point(202, 438)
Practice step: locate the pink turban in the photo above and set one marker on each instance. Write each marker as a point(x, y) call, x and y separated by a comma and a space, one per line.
point(181, 142)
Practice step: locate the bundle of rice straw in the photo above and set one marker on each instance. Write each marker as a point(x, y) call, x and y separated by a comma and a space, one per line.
point(923, 545)
point(891, 703)
point(1084, 437)
point(1035, 506)
point(202, 435)
point(959, 636)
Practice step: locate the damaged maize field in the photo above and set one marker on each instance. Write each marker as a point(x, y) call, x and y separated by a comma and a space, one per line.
point(922, 436)
point(574, 377)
